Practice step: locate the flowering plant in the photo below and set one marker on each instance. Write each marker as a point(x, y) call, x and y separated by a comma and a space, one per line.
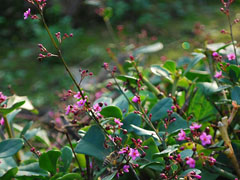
point(170, 121)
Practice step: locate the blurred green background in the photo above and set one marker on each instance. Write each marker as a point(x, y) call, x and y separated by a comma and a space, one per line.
point(171, 22)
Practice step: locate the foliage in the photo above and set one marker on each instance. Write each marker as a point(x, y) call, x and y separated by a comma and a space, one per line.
point(172, 120)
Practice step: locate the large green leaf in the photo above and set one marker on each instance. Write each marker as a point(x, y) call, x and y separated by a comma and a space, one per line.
point(198, 76)
point(170, 65)
point(159, 71)
point(131, 118)
point(92, 143)
point(143, 132)
point(32, 169)
point(126, 78)
point(10, 174)
point(186, 153)
point(166, 152)
point(10, 147)
point(6, 165)
point(160, 109)
point(122, 103)
point(71, 176)
point(235, 95)
point(48, 161)
point(111, 111)
point(180, 123)
point(148, 49)
point(66, 158)
point(6, 111)
point(196, 59)
point(25, 129)
point(152, 149)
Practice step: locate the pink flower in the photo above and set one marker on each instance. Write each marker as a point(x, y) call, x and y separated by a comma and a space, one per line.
point(218, 74)
point(211, 161)
point(27, 13)
point(191, 162)
point(181, 135)
point(125, 168)
point(2, 97)
point(134, 153)
point(231, 56)
point(97, 108)
point(118, 122)
point(123, 150)
point(2, 121)
point(195, 126)
point(198, 176)
point(215, 54)
point(81, 102)
point(136, 99)
point(68, 109)
point(206, 139)
point(78, 95)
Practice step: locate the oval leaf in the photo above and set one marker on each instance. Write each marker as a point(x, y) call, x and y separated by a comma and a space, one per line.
point(111, 111)
point(10, 147)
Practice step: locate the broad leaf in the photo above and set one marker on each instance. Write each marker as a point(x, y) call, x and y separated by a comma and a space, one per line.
point(143, 132)
point(8, 110)
point(148, 49)
point(48, 161)
point(10, 147)
point(171, 66)
point(159, 71)
point(30, 170)
point(166, 152)
point(111, 111)
point(122, 103)
point(235, 95)
point(92, 143)
point(71, 176)
point(160, 109)
point(66, 158)
point(196, 59)
point(6, 165)
point(186, 153)
point(132, 118)
point(10, 174)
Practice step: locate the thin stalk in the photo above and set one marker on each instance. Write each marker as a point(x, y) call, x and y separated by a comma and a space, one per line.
point(88, 167)
point(28, 143)
point(231, 34)
point(10, 135)
point(74, 153)
point(223, 173)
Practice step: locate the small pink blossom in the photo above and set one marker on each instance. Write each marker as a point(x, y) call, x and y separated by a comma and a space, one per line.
point(211, 161)
point(27, 13)
point(136, 99)
point(123, 150)
point(205, 139)
point(118, 122)
point(134, 153)
point(218, 74)
point(2, 121)
point(81, 102)
point(78, 95)
point(195, 126)
point(97, 108)
point(2, 97)
point(231, 56)
point(181, 135)
point(197, 176)
point(68, 109)
point(126, 168)
point(215, 54)
point(191, 162)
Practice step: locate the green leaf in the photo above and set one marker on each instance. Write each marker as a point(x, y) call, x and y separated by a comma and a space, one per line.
point(111, 111)
point(235, 95)
point(48, 160)
point(143, 132)
point(71, 176)
point(32, 169)
point(16, 99)
point(180, 123)
point(160, 109)
point(31, 133)
point(6, 111)
point(157, 166)
point(6, 164)
point(152, 149)
point(197, 58)
point(66, 158)
point(10, 174)
point(25, 129)
point(186, 153)
point(11, 116)
point(197, 171)
point(170, 65)
point(126, 78)
point(148, 49)
point(92, 143)
point(10, 147)
point(198, 76)
point(159, 71)
point(122, 103)
point(104, 100)
point(132, 118)
point(111, 176)
point(166, 152)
